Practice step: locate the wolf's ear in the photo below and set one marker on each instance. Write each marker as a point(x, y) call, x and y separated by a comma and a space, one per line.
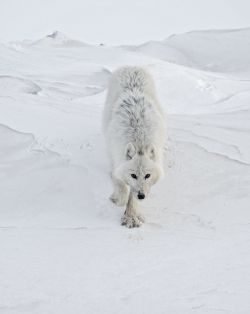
point(151, 151)
point(129, 151)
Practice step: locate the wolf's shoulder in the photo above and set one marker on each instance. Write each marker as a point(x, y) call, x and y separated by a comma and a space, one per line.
point(131, 72)
point(131, 78)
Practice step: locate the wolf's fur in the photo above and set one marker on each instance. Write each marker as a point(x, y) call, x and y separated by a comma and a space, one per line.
point(135, 128)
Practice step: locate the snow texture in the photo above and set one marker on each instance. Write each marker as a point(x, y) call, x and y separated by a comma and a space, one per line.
point(62, 247)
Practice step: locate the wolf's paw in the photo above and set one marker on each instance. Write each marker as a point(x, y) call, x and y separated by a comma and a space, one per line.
point(118, 201)
point(132, 221)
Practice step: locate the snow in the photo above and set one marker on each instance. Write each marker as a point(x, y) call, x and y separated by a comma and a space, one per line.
point(62, 247)
point(213, 50)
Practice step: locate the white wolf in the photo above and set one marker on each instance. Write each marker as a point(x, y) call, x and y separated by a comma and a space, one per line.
point(135, 128)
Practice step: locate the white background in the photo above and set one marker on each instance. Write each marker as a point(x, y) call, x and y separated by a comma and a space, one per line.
point(118, 22)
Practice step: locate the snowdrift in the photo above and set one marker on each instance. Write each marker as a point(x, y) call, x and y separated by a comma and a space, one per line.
point(214, 50)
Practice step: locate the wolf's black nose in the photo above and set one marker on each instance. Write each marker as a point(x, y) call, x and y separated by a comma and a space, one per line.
point(141, 196)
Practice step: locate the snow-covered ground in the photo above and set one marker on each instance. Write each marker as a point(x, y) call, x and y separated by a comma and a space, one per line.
point(62, 249)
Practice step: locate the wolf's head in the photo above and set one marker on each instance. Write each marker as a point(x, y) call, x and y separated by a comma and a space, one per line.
point(139, 170)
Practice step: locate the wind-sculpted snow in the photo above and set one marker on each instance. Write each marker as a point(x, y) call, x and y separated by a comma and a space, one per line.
point(62, 247)
point(214, 50)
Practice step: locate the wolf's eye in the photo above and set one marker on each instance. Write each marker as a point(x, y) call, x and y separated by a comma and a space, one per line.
point(147, 176)
point(134, 176)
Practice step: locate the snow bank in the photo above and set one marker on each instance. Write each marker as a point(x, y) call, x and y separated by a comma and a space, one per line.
point(214, 50)
point(56, 40)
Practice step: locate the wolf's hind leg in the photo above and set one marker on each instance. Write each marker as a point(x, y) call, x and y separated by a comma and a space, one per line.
point(120, 195)
point(131, 217)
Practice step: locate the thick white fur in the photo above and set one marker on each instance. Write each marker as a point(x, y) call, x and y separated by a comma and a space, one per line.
point(135, 128)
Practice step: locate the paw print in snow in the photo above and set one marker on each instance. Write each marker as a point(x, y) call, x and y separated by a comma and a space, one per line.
point(205, 86)
point(87, 145)
point(38, 146)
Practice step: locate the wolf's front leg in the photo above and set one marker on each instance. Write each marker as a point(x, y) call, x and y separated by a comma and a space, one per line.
point(131, 217)
point(120, 195)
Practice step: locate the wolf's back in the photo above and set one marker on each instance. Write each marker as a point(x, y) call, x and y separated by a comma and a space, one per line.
point(135, 79)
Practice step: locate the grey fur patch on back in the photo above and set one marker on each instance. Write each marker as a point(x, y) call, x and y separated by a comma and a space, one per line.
point(135, 115)
point(132, 81)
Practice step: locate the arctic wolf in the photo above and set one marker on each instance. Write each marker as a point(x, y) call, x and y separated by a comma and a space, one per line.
point(135, 128)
